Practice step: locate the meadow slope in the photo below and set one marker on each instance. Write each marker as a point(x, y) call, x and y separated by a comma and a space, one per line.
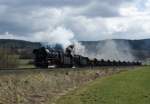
point(131, 87)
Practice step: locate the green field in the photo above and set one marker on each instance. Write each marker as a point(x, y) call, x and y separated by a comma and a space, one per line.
point(131, 87)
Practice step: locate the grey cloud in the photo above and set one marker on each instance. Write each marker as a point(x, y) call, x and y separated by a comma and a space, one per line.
point(59, 2)
point(20, 21)
point(13, 28)
point(87, 28)
point(91, 8)
point(103, 10)
point(31, 17)
point(52, 3)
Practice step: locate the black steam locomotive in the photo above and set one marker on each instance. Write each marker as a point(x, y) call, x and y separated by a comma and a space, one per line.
point(56, 57)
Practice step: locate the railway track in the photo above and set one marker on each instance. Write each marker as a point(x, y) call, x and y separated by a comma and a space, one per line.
point(21, 70)
point(16, 69)
point(29, 69)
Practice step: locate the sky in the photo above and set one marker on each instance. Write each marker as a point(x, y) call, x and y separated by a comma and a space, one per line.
point(65, 20)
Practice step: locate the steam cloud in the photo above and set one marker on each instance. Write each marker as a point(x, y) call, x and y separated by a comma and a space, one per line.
point(110, 50)
point(80, 49)
point(113, 51)
point(60, 35)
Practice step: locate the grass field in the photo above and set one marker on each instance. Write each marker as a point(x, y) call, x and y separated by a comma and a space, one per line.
point(131, 87)
point(24, 63)
point(45, 86)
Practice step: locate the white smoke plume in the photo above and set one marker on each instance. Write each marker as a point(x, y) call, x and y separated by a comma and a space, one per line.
point(60, 35)
point(111, 50)
point(114, 51)
point(80, 49)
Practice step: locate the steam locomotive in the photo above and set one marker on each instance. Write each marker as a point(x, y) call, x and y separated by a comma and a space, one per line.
point(56, 57)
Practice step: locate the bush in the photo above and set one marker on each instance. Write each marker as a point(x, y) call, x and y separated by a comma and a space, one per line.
point(25, 54)
point(8, 60)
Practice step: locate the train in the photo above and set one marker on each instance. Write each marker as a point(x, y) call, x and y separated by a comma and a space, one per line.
point(57, 57)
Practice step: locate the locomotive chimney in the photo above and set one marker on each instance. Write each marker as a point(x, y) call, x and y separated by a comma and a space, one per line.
point(69, 50)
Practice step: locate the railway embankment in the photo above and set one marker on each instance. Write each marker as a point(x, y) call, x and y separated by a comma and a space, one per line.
point(42, 86)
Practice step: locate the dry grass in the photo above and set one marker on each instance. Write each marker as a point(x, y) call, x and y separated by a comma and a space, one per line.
point(44, 87)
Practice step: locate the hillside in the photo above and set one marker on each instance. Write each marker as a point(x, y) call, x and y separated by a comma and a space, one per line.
point(9, 43)
point(125, 88)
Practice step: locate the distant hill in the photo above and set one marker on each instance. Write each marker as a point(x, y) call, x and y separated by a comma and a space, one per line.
point(21, 44)
point(20, 47)
point(140, 48)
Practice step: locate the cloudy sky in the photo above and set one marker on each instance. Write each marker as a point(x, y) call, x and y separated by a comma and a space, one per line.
point(63, 20)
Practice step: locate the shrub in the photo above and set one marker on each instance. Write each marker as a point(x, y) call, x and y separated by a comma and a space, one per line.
point(8, 59)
